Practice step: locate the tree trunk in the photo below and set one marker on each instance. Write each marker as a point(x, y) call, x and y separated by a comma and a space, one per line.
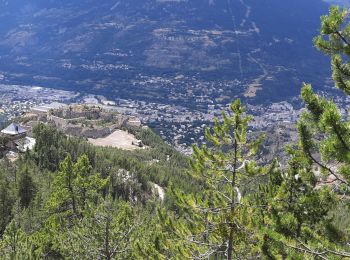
point(70, 188)
point(232, 207)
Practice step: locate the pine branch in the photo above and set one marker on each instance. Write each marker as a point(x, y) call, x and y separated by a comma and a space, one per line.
point(327, 168)
point(336, 131)
point(342, 37)
point(305, 250)
point(320, 254)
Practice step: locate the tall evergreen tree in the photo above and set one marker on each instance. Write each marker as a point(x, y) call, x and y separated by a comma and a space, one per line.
point(6, 204)
point(301, 208)
point(215, 221)
point(293, 214)
point(106, 232)
point(322, 128)
point(75, 186)
point(16, 245)
point(26, 188)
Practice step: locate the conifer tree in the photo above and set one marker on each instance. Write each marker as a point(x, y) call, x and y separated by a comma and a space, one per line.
point(16, 245)
point(105, 232)
point(26, 188)
point(6, 204)
point(215, 222)
point(303, 197)
point(49, 146)
point(322, 128)
point(293, 213)
point(75, 186)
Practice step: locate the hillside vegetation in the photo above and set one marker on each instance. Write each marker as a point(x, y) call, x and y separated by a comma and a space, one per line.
point(67, 199)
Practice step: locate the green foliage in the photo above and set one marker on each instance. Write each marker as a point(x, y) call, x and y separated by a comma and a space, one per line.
point(70, 200)
point(49, 147)
point(26, 188)
point(105, 232)
point(6, 203)
point(322, 129)
point(334, 40)
point(67, 189)
point(290, 209)
point(302, 200)
point(159, 164)
point(16, 245)
point(215, 221)
point(75, 187)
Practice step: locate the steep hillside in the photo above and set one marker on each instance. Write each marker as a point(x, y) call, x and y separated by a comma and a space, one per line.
point(153, 49)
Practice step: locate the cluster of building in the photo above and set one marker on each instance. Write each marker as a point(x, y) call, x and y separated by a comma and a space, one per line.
point(15, 99)
point(182, 126)
point(178, 123)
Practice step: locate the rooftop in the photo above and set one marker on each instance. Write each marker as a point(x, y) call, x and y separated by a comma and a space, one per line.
point(14, 129)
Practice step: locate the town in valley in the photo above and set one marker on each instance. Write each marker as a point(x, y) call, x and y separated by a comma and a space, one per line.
point(178, 125)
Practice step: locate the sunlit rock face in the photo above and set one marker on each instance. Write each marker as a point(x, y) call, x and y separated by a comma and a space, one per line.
point(153, 49)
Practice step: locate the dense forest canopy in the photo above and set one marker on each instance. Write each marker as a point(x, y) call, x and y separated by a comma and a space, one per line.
point(69, 200)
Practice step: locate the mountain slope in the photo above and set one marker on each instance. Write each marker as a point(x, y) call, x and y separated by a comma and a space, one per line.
point(153, 50)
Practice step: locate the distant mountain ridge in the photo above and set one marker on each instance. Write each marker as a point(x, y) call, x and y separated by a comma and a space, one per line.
point(152, 50)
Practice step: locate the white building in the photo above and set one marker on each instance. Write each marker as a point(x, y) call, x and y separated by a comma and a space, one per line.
point(14, 130)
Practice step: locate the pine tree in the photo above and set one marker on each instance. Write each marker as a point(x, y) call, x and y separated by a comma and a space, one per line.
point(301, 201)
point(105, 232)
point(26, 188)
point(215, 221)
point(322, 128)
point(16, 245)
point(49, 146)
point(293, 213)
point(75, 186)
point(6, 204)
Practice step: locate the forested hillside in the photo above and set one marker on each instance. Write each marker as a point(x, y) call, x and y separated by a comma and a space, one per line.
point(60, 190)
point(69, 200)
